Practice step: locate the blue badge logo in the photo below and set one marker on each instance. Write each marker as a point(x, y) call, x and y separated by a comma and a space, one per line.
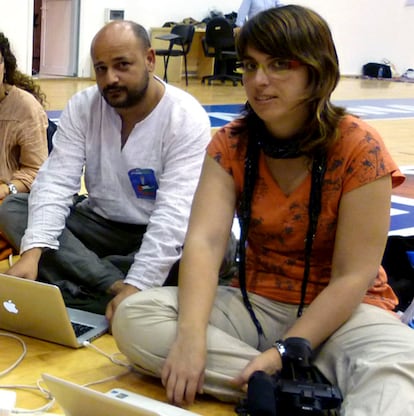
point(143, 182)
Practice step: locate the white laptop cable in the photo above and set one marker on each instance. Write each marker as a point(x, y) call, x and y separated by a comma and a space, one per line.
point(20, 359)
point(6, 406)
point(51, 401)
point(111, 357)
point(38, 387)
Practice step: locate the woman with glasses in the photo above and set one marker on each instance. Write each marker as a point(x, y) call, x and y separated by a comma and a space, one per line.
point(311, 186)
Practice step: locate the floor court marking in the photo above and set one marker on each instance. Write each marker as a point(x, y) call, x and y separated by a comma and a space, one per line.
point(402, 210)
point(221, 114)
point(367, 109)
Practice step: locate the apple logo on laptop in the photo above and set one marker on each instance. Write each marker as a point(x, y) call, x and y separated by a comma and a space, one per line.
point(10, 306)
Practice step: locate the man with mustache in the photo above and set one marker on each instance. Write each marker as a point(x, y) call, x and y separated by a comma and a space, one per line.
point(140, 143)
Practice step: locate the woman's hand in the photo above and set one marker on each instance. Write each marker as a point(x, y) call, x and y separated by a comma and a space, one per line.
point(4, 191)
point(183, 371)
point(269, 362)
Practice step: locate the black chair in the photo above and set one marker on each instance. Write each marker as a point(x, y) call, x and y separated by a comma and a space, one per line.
point(51, 129)
point(219, 43)
point(181, 36)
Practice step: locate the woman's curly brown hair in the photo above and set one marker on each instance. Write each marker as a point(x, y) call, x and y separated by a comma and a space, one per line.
point(13, 76)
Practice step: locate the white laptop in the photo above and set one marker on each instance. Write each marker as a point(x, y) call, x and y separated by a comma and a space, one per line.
point(76, 400)
point(38, 310)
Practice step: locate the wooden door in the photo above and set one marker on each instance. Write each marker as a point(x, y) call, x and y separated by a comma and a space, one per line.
point(59, 37)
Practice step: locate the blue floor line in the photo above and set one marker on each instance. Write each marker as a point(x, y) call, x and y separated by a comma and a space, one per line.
point(402, 212)
point(369, 109)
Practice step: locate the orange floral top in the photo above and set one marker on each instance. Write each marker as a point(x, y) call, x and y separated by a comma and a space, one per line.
point(275, 250)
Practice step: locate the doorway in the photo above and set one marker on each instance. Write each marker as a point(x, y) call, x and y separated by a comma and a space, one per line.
point(55, 37)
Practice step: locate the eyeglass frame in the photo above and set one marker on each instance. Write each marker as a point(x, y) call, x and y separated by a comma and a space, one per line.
point(288, 65)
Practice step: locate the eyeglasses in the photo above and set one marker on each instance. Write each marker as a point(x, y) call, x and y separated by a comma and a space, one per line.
point(276, 68)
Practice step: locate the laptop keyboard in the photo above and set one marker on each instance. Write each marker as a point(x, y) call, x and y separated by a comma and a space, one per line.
point(80, 329)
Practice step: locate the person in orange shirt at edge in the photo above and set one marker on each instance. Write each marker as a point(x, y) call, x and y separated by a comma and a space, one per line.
point(23, 125)
point(307, 274)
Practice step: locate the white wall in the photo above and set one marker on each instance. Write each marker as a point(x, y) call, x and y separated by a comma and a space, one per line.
point(364, 30)
point(149, 13)
point(368, 30)
point(16, 22)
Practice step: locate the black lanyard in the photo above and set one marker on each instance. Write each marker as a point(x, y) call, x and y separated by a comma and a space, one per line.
point(315, 198)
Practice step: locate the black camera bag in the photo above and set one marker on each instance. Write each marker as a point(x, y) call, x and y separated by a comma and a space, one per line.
point(376, 70)
point(299, 389)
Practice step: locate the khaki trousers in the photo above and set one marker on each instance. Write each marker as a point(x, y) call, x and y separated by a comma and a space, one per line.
point(370, 358)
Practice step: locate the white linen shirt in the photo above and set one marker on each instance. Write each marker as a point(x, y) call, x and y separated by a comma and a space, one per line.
point(171, 141)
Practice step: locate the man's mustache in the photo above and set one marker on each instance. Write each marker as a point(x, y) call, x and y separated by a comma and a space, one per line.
point(114, 88)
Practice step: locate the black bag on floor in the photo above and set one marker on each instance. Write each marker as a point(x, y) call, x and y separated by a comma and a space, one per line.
point(375, 70)
point(399, 267)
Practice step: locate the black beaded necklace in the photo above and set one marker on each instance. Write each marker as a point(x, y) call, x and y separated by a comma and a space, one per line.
point(280, 148)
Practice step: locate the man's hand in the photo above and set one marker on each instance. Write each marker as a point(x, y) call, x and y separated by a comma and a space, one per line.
point(116, 287)
point(27, 265)
point(121, 290)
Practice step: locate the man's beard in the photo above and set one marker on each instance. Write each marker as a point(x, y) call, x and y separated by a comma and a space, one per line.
point(133, 97)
